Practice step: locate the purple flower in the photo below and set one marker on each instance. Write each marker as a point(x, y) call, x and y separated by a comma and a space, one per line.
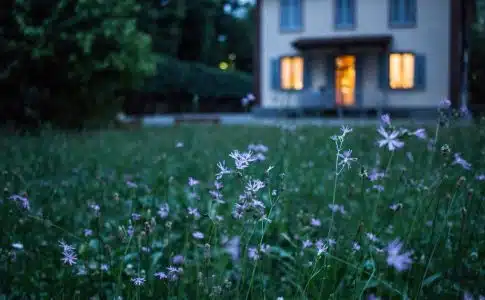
point(178, 259)
point(163, 211)
point(161, 275)
point(372, 237)
point(389, 139)
point(69, 258)
point(315, 222)
point(193, 181)
point(386, 119)
point(400, 261)
point(23, 201)
point(481, 177)
point(131, 184)
point(420, 133)
point(104, 267)
point(460, 161)
point(242, 160)
point(346, 159)
point(198, 235)
point(88, 232)
point(375, 175)
point(355, 246)
point(193, 212)
point(138, 280)
point(179, 145)
point(253, 253)
point(135, 216)
point(337, 208)
point(307, 244)
point(254, 185)
point(232, 247)
point(445, 104)
point(222, 170)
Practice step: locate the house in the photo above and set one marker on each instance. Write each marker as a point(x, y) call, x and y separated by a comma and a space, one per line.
point(398, 56)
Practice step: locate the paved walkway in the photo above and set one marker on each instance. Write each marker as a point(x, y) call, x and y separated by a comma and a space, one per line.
point(248, 119)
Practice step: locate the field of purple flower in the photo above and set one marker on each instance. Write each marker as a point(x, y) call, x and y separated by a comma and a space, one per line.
point(213, 212)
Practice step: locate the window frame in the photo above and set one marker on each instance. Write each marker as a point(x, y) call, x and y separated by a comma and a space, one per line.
point(389, 70)
point(352, 10)
point(292, 27)
point(404, 20)
point(280, 62)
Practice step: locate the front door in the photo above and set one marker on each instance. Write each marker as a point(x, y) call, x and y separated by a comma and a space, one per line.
point(345, 80)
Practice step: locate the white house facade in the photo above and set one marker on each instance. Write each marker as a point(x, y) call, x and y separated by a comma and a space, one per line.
point(360, 54)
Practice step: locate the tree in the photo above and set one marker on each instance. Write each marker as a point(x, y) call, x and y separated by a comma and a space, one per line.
point(67, 59)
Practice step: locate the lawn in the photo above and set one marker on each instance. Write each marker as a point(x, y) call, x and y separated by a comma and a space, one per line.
point(149, 214)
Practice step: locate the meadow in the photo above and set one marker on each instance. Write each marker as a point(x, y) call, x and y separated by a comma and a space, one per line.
point(221, 212)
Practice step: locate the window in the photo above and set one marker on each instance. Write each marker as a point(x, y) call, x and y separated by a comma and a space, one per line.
point(344, 14)
point(402, 13)
point(290, 15)
point(291, 75)
point(401, 71)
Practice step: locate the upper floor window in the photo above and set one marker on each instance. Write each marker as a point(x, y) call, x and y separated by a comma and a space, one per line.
point(291, 15)
point(402, 13)
point(401, 71)
point(344, 14)
point(291, 75)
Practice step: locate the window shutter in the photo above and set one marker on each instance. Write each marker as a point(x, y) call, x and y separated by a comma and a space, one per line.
point(284, 14)
point(275, 74)
point(394, 11)
point(298, 14)
point(412, 11)
point(307, 72)
point(359, 69)
point(420, 71)
point(330, 76)
point(338, 12)
point(384, 71)
point(351, 12)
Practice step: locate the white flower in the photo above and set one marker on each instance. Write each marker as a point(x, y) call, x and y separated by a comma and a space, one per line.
point(389, 139)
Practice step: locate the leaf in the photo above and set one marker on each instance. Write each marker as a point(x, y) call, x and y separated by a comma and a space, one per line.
point(155, 258)
point(286, 237)
point(282, 253)
point(431, 279)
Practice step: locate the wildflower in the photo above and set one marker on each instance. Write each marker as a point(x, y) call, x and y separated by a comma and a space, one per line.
point(444, 104)
point(193, 212)
point(254, 185)
point(131, 184)
point(331, 242)
point(104, 267)
point(395, 206)
point(178, 259)
point(232, 247)
point(269, 169)
point(373, 297)
point(345, 129)
point(265, 248)
point(130, 231)
point(386, 119)
point(389, 139)
point(95, 207)
point(253, 253)
point(138, 280)
point(161, 275)
point(65, 247)
point(400, 261)
point(179, 145)
point(467, 296)
point(460, 161)
point(337, 208)
point(481, 177)
point(242, 160)
point(24, 202)
point(218, 185)
point(193, 181)
point(18, 246)
point(315, 222)
point(163, 211)
point(420, 133)
point(135, 216)
point(378, 187)
point(198, 235)
point(346, 159)
point(88, 232)
point(222, 170)
point(321, 247)
point(307, 244)
point(69, 257)
point(372, 237)
point(375, 175)
point(174, 273)
point(355, 246)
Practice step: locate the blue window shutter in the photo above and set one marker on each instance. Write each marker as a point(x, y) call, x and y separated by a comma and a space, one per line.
point(275, 74)
point(411, 11)
point(298, 14)
point(419, 71)
point(359, 69)
point(330, 68)
point(351, 12)
point(307, 72)
point(394, 11)
point(284, 14)
point(338, 12)
point(383, 71)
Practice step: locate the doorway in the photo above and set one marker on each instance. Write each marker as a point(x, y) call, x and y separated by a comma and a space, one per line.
point(345, 80)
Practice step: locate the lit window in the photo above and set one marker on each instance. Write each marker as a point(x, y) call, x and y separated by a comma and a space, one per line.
point(401, 70)
point(291, 73)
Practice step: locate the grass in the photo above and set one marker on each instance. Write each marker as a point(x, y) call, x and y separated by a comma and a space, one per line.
point(101, 193)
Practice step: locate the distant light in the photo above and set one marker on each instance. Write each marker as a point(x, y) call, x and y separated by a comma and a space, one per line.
point(223, 65)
